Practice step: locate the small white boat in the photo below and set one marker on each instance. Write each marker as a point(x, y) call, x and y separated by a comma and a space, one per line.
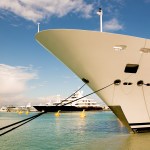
point(3, 109)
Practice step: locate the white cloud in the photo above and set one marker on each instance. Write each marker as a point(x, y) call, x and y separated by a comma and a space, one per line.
point(112, 7)
point(41, 9)
point(112, 25)
point(13, 81)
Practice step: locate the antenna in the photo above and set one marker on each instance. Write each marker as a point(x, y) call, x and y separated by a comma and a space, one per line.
point(100, 13)
point(38, 27)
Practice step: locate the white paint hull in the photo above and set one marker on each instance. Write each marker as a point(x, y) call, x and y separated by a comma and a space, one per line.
point(90, 55)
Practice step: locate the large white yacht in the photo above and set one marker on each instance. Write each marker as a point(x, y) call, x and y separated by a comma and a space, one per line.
point(120, 63)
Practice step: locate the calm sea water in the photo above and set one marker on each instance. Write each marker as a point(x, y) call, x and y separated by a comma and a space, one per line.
point(98, 131)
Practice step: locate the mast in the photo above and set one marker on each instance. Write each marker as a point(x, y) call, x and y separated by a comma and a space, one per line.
point(100, 13)
point(38, 27)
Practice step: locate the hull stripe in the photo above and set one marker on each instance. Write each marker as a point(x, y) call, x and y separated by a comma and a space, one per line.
point(137, 124)
point(141, 130)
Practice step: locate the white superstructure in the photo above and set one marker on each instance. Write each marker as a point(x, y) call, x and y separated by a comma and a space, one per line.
point(121, 61)
point(83, 102)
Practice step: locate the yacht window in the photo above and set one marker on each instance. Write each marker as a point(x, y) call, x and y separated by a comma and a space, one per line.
point(131, 68)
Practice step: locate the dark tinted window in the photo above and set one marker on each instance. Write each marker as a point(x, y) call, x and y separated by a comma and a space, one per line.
point(131, 68)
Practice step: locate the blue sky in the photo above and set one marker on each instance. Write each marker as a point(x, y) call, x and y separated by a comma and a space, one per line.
point(28, 73)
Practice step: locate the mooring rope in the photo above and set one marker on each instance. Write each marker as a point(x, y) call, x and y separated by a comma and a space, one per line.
point(24, 121)
point(85, 82)
point(88, 94)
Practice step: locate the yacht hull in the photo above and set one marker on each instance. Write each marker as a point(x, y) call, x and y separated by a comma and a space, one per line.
point(102, 58)
point(66, 108)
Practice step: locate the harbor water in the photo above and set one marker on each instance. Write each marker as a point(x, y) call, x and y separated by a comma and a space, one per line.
point(96, 131)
